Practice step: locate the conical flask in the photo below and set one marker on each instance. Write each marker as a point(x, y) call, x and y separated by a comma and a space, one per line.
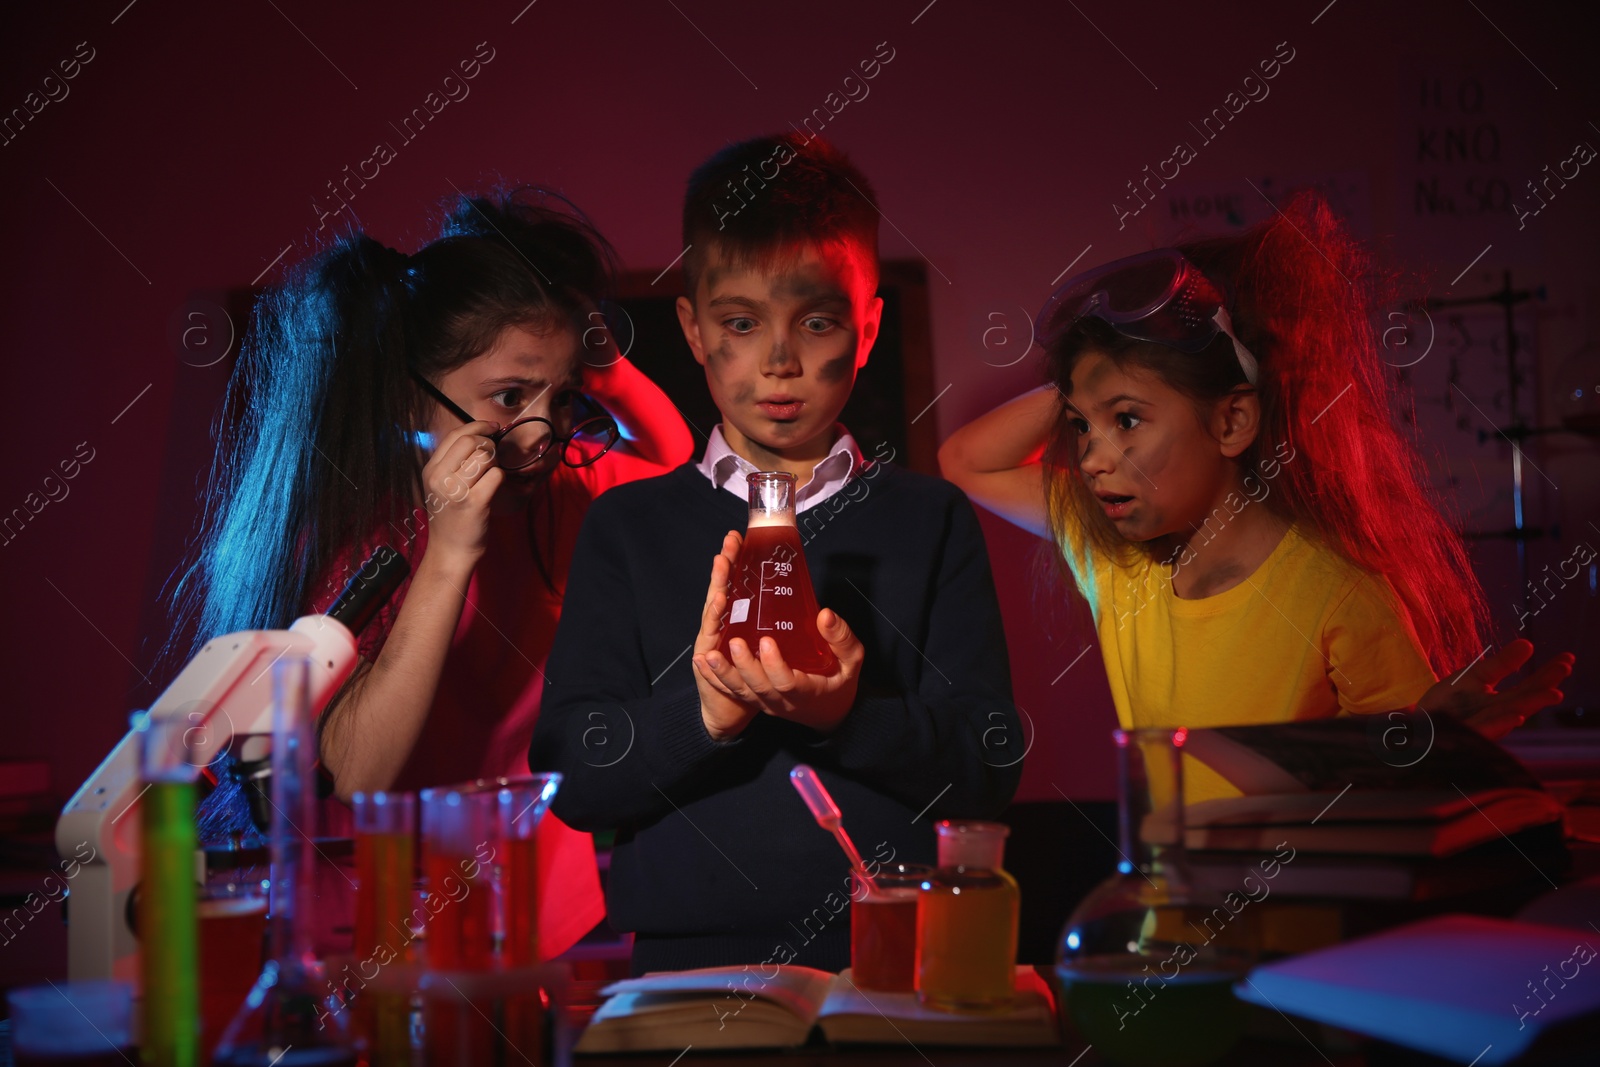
point(291, 1018)
point(772, 594)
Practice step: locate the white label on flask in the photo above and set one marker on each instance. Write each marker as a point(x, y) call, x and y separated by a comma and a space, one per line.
point(740, 612)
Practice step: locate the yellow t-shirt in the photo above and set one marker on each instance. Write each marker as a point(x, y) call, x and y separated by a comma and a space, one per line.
point(1307, 636)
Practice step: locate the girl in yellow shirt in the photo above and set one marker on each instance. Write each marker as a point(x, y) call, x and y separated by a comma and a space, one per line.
point(1256, 541)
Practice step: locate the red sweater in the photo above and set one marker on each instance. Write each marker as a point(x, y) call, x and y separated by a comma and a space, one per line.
point(488, 696)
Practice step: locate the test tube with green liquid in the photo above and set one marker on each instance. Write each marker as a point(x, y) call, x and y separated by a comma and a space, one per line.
point(168, 922)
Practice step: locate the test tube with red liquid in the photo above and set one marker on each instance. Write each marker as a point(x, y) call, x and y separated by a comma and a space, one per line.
point(460, 842)
point(522, 804)
point(460, 846)
point(771, 593)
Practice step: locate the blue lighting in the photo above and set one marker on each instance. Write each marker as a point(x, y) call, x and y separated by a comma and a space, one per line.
point(1072, 941)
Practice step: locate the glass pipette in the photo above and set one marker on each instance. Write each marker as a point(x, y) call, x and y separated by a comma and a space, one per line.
point(826, 812)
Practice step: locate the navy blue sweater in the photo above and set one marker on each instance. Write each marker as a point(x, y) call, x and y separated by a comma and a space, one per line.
point(717, 860)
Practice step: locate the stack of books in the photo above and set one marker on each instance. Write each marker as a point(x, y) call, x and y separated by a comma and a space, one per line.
point(1348, 815)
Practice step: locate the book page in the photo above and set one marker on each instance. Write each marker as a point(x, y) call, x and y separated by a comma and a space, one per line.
point(800, 990)
point(853, 1014)
point(643, 1022)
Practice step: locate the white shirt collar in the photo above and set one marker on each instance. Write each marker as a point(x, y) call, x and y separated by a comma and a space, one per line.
point(727, 469)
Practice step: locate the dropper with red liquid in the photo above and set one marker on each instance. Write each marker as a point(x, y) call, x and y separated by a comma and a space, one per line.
point(771, 593)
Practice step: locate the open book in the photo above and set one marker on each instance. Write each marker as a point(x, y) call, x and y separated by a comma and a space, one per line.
point(1469, 989)
point(742, 1007)
point(1350, 786)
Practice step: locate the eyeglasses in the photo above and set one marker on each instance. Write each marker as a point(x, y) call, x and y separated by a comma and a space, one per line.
point(525, 441)
point(1155, 296)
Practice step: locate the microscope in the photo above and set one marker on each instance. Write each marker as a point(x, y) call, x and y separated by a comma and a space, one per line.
point(225, 695)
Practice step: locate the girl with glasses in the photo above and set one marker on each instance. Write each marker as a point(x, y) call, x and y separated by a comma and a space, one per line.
point(463, 404)
point(1226, 488)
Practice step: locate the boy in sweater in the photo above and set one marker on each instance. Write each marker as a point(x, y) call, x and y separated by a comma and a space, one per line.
point(684, 751)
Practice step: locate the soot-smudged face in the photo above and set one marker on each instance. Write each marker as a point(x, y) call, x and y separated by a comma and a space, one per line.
point(1144, 451)
point(519, 375)
point(781, 346)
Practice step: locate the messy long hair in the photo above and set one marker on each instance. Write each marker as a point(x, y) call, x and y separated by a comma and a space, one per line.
point(314, 446)
point(1303, 293)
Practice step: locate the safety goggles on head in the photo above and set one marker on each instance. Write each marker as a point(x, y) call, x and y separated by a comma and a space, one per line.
point(1155, 296)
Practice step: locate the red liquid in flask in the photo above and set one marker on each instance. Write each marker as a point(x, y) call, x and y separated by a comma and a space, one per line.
point(772, 594)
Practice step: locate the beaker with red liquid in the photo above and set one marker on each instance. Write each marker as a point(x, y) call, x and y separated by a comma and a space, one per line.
point(883, 927)
point(771, 593)
point(232, 939)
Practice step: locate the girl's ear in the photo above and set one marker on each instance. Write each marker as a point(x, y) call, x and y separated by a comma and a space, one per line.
point(1236, 420)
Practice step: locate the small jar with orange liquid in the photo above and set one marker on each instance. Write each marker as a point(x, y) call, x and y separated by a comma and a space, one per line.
point(772, 594)
point(967, 922)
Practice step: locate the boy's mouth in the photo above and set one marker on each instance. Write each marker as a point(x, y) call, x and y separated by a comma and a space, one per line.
point(780, 408)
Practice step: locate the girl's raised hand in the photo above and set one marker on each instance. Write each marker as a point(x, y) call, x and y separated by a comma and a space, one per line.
point(1470, 695)
point(458, 483)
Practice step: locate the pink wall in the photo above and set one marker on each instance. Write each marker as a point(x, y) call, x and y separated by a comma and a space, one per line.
point(191, 148)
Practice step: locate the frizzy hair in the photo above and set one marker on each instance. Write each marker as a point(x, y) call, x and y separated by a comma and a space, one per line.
point(756, 201)
point(1302, 299)
point(314, 452)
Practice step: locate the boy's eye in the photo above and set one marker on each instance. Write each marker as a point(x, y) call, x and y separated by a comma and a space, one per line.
point(817, 323)
point(741, 324)
point(1078, 425)
point(1127, 420)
